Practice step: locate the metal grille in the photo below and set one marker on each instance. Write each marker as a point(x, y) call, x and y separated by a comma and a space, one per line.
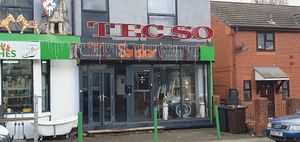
point(278, 126)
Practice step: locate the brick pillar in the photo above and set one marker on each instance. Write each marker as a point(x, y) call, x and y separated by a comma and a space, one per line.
point(292, 104)
point(216, 101)
point(261, 116)
point(284, 105)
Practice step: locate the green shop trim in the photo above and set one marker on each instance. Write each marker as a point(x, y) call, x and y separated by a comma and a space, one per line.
point(53, 47)
point(207, 53)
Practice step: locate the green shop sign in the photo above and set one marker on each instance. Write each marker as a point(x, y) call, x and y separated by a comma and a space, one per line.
point(57, 51)
point(48, 47)
point(207, 53)
point(19, 50)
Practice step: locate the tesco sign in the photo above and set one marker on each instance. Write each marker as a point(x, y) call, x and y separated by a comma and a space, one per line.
point(151, 30)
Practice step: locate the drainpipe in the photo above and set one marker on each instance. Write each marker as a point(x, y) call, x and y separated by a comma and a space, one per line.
point(234, 75)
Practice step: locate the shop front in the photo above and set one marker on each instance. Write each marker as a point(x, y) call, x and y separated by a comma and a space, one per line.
point(121, 81)
point(32, 69)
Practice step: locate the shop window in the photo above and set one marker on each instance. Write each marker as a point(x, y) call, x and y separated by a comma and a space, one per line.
point(162, 12)
point(94, 5)
point(188, 91)
point(285, 89)
point(167, 90)
point(45, 86)
point(265, 41)
point(19, 3)
point(17, 90)
point(247, 90)
point(175, 88)
point(16, 8)
point(120, 97)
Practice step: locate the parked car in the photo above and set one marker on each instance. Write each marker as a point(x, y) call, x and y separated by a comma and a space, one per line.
point(4, 135)
point(284, 129)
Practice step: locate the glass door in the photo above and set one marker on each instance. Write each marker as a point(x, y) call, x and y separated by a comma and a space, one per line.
point(96, 97)
point(267, 91)
point(142, 95)
point(107, 83)
point(97, 105)
point(140, 99)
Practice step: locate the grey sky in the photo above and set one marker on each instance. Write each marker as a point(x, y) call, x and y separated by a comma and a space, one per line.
point(291, 2)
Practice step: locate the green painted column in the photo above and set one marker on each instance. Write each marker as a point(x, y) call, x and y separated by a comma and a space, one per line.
point(211, 92)
point(80, 131)
point(155, 124)
point(207, 54)
point(217, 122)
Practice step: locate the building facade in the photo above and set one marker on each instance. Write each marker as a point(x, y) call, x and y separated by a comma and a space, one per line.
point(115, 81)
point(258, 54)
point(127, 74)
point(35, 66)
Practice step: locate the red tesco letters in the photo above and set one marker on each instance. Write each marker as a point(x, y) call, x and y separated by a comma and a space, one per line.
point(151, 31)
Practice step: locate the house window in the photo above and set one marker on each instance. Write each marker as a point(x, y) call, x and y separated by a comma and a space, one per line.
point(45, 86)
point(285, 89)
point(17, 82)
point(247, 90)
point(16, 8)
point(162, 12)
point(265, 41)
point(95, 5)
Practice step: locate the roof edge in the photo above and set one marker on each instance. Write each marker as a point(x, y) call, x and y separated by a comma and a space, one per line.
point(262, 28)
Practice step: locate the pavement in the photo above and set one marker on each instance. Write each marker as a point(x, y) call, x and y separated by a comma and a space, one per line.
point(182, 135)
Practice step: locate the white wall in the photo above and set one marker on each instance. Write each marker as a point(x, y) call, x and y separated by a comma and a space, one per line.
point(128, 12)
point(64, 89)
point(201, 106)
point(37, 82)
point(38, 10)
point(194, 13)
point(77, 22)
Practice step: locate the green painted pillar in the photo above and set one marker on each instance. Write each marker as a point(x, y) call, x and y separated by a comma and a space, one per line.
point(155, 124)
point(80, 132)
point(211, 92)
point(217, 122)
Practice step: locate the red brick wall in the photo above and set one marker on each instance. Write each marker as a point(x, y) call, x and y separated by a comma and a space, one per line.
point(286, 56)
point(292, 104)
point(261, 116)
point(222, 67)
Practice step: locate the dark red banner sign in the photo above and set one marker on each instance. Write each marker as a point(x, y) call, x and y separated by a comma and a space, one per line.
point(132, 51)
point(151, 31)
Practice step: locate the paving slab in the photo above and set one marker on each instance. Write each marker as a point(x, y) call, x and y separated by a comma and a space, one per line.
point(185, 135)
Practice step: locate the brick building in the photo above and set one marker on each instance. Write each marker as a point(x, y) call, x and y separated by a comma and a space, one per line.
point(257, 53)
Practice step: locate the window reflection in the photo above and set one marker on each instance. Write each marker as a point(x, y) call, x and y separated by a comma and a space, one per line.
point(45, 86)
point(17, 86)
point(188, 91)
point(16, 8)
point(167, 80)
point(178, 96)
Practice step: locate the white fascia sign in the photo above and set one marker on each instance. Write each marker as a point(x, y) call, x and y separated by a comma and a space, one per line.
point(19, 50)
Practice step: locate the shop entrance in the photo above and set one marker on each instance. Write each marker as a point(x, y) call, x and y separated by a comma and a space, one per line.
point(140, 98)
point(267, 91)
point(97, 102)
